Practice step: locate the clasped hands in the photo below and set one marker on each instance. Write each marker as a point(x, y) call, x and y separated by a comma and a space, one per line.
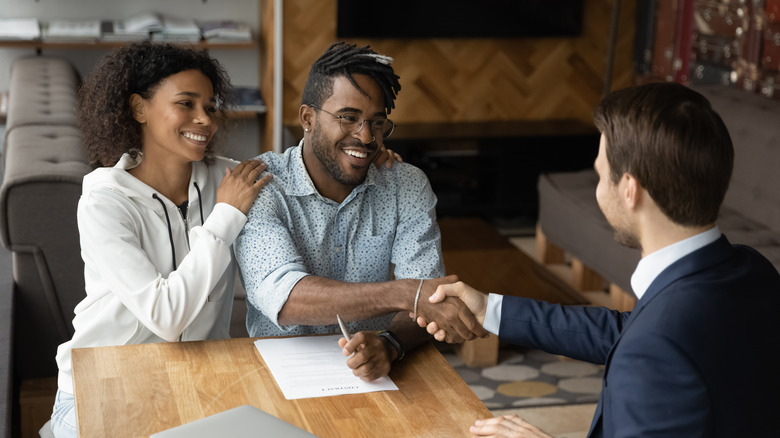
point(451, 310)
point(454, 312)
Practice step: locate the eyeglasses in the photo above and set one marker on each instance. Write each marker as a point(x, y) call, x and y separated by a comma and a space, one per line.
point(351, 124)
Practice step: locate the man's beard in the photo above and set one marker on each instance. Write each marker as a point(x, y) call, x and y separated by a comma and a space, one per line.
point(620, 227)
point(627, 239)
point(328, 156)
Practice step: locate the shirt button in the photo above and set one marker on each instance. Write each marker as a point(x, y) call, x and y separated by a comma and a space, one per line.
point(338, 249)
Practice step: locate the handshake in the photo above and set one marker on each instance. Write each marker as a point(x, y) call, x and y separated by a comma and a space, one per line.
point(451, 310)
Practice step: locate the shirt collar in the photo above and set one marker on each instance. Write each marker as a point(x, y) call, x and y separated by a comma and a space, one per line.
point(300, 183)
point(653, 264)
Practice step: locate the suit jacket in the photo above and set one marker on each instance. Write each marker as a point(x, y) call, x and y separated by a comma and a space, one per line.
point(694, 357)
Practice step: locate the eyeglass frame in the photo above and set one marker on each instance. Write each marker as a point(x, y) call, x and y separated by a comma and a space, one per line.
point(341, 118)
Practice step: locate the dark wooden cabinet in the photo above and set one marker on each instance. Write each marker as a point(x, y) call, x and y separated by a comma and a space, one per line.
point(490, 169)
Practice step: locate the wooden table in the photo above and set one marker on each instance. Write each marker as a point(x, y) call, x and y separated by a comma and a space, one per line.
point(137, 390)
point(484, 259)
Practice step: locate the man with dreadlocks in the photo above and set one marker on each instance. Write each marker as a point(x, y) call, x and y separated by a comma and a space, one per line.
point(332, 234)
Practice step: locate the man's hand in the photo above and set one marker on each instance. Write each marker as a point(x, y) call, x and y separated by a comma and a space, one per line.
point(371, 359)
point(507, 426)
point(455, 322)
point(475, 300)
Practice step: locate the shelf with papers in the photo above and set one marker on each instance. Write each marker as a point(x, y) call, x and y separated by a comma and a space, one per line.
point(106, 34)
point(49, 45)
point(217, 35)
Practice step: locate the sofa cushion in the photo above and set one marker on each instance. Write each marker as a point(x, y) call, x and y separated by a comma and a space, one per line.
point(741, 229)
point(752, 121)
point(571, 218)
point(42, 91)
point(42, 156)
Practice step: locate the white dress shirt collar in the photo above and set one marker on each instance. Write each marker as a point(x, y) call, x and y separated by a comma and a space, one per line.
point(653, 264)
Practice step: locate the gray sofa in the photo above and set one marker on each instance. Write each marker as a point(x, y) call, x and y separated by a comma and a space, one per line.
point(42, 166)
point(569, 217)
point(6, 341)
point(44, 163)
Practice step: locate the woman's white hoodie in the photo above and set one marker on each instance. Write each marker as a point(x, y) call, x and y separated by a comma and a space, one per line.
point(152, 275)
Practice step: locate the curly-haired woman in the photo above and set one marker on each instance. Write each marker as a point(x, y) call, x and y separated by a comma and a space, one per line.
point(158, 216)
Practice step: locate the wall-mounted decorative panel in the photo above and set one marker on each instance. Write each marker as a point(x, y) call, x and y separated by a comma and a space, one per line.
point(479, 79)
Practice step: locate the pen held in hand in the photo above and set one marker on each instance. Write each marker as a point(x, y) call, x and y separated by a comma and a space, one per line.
point(344, 330)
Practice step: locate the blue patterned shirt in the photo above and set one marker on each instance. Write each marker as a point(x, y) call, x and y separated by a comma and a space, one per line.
point(386, 228)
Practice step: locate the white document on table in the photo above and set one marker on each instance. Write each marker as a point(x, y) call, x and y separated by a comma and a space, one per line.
point(313, 366)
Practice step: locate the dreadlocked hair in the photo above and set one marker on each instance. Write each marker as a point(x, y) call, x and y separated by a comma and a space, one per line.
point(343, 59)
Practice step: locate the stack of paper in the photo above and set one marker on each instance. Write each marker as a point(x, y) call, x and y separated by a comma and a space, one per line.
point(72, 30)
point(115, 30)
point(146, 22)
point(19, 29)
point(225, 31)
point(178, 29)
point(138, 27)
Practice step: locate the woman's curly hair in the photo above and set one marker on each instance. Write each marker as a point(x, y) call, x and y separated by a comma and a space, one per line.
point(105, 115)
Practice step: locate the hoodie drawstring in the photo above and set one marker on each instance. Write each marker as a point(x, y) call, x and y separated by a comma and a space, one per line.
point(168, 219)
point(200, 204)
point(170, 232)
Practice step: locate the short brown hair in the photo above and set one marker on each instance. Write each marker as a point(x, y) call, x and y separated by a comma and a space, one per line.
point(669, 138)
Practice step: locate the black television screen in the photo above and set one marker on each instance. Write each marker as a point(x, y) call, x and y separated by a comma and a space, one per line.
point(459, 18)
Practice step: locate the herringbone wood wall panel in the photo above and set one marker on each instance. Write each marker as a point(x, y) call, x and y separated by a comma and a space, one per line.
point(446, 80)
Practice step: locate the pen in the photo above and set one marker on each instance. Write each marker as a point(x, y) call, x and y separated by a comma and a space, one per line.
point(344, 330)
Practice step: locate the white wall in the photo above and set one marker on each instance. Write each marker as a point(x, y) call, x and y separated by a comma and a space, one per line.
point(242, 65)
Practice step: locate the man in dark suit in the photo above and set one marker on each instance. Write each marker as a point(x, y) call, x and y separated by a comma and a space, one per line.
point(693, 359)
